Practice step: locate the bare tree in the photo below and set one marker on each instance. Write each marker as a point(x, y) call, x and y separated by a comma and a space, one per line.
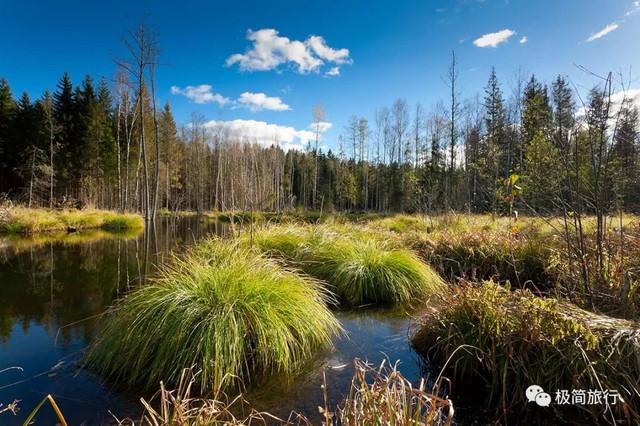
point(319, 116)
point(142, 47)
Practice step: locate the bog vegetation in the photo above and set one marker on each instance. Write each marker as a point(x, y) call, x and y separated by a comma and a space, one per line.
point(226, 311)
point(537, 280)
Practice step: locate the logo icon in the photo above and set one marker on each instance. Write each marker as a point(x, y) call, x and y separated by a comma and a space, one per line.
point(536, 394)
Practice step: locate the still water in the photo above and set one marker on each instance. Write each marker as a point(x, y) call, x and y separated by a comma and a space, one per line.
point(53, 289)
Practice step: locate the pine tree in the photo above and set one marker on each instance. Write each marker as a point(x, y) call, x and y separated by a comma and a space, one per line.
point(625, 150)
point(66, 116)
point(536, 113)
point(563, 113)
point(8, 149)
point(497, 158)
point(171, 156)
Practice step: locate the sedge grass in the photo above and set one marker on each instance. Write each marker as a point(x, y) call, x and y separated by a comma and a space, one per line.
point(520, 339)
point(225, 310)
point(360, 269)
point(21, 220)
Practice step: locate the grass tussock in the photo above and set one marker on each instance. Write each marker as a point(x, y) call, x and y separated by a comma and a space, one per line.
point(359, 270)
point(478, 255)
point(21, 220)
point(402, 223)
point(225, 310)
point(513, 339)
point(377, 396)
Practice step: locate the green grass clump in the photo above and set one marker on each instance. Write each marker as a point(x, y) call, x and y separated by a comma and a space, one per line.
point(223, 310)
point(121, 221)
point(360, 270)
point(22, 220)
point(513, 339)
point(402, 223)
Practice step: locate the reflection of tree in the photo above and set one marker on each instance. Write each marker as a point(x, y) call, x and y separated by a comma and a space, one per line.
point(56, 284)
point(64, 281)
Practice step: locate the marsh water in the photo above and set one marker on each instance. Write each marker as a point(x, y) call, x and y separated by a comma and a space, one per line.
point(53, 289)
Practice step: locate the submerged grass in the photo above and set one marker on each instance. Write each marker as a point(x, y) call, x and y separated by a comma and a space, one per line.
point(520, 339)
point(225, 310)
point(22, 220)
point(359, 270)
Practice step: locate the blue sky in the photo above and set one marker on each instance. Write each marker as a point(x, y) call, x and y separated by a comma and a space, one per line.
point(383, 50)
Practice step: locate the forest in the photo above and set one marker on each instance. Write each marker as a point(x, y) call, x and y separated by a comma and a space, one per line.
point(545, 148)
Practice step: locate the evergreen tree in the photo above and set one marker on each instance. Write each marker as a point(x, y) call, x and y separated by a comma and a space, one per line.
point(66, 117)
point(626, 153)
point(8, 150)
point(536, 113)
point(563, 113)
point(496, 158)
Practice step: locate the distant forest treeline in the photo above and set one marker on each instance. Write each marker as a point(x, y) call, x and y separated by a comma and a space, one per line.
point(543, 149)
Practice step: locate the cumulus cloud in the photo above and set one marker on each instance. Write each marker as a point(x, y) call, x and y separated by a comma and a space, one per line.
point(524, 39)
point(269, 50)
point(617, 98)
point(319, 46)
point(266, 134)
point(202, 94)
point(263, 133)
point(259, 101)
point(322, 126)
point(494, 39)
point(333, 72)
point(603, 32)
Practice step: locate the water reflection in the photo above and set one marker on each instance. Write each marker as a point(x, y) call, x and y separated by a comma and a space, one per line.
point(53, 288)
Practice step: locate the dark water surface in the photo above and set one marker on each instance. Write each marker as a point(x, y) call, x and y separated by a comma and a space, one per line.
point(53, 288)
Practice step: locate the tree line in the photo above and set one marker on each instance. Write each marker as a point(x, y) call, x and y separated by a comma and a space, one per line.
point(108, 144)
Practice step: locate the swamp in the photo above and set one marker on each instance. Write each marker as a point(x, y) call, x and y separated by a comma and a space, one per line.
point(319, 304)
point(407, 213)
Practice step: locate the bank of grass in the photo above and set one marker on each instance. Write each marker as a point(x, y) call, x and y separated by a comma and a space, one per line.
point(22, 220)
point(224, 310)
point(359, 266)
point(509, 340)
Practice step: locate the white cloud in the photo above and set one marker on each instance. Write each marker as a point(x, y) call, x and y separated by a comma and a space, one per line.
point(603, 32)
point(494, 39)
point(202, 94)
point(635, 9)
point(267, 134)
point(263, 133)
point(319, 46)
point(524, 39)
point(630, 95)
point(269, 50)
point(322, 126)
point(259, 101)
point(333, 72)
